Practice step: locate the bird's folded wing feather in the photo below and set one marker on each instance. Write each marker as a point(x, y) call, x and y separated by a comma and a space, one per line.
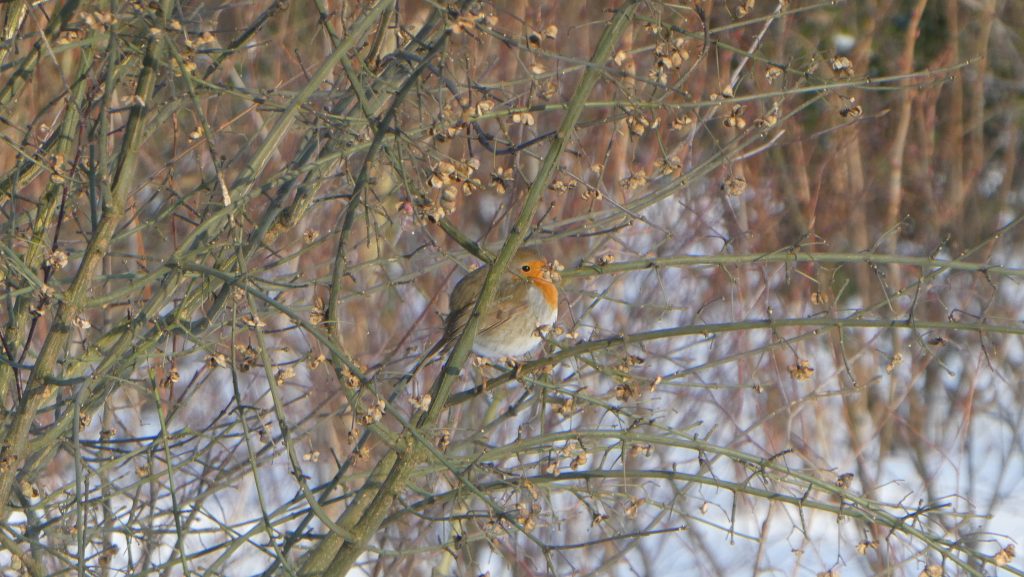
point(500, 312)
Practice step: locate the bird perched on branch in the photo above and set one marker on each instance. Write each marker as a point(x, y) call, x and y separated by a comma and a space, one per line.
point(526, 299)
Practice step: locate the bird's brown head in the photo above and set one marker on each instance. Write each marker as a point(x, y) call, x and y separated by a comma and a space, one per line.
point(537, 268)
point(530, 264)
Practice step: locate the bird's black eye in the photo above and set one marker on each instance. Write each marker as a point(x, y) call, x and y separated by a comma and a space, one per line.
point(526, 268)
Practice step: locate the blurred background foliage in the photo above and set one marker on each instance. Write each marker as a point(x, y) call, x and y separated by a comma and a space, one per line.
point(788, 231)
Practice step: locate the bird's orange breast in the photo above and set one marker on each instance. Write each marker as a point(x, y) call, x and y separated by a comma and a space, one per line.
point(548, 289)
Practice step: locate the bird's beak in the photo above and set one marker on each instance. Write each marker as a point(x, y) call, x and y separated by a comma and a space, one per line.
point(546, 270)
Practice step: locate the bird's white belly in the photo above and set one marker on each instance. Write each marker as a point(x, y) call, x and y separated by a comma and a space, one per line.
point(513, 342)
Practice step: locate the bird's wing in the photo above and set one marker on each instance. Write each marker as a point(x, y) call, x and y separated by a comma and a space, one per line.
point(500, 311)
point(506, 305)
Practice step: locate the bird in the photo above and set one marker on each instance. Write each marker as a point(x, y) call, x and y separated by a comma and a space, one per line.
point(526, 299)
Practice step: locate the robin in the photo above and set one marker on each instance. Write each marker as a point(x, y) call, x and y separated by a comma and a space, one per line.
point(525, 300)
